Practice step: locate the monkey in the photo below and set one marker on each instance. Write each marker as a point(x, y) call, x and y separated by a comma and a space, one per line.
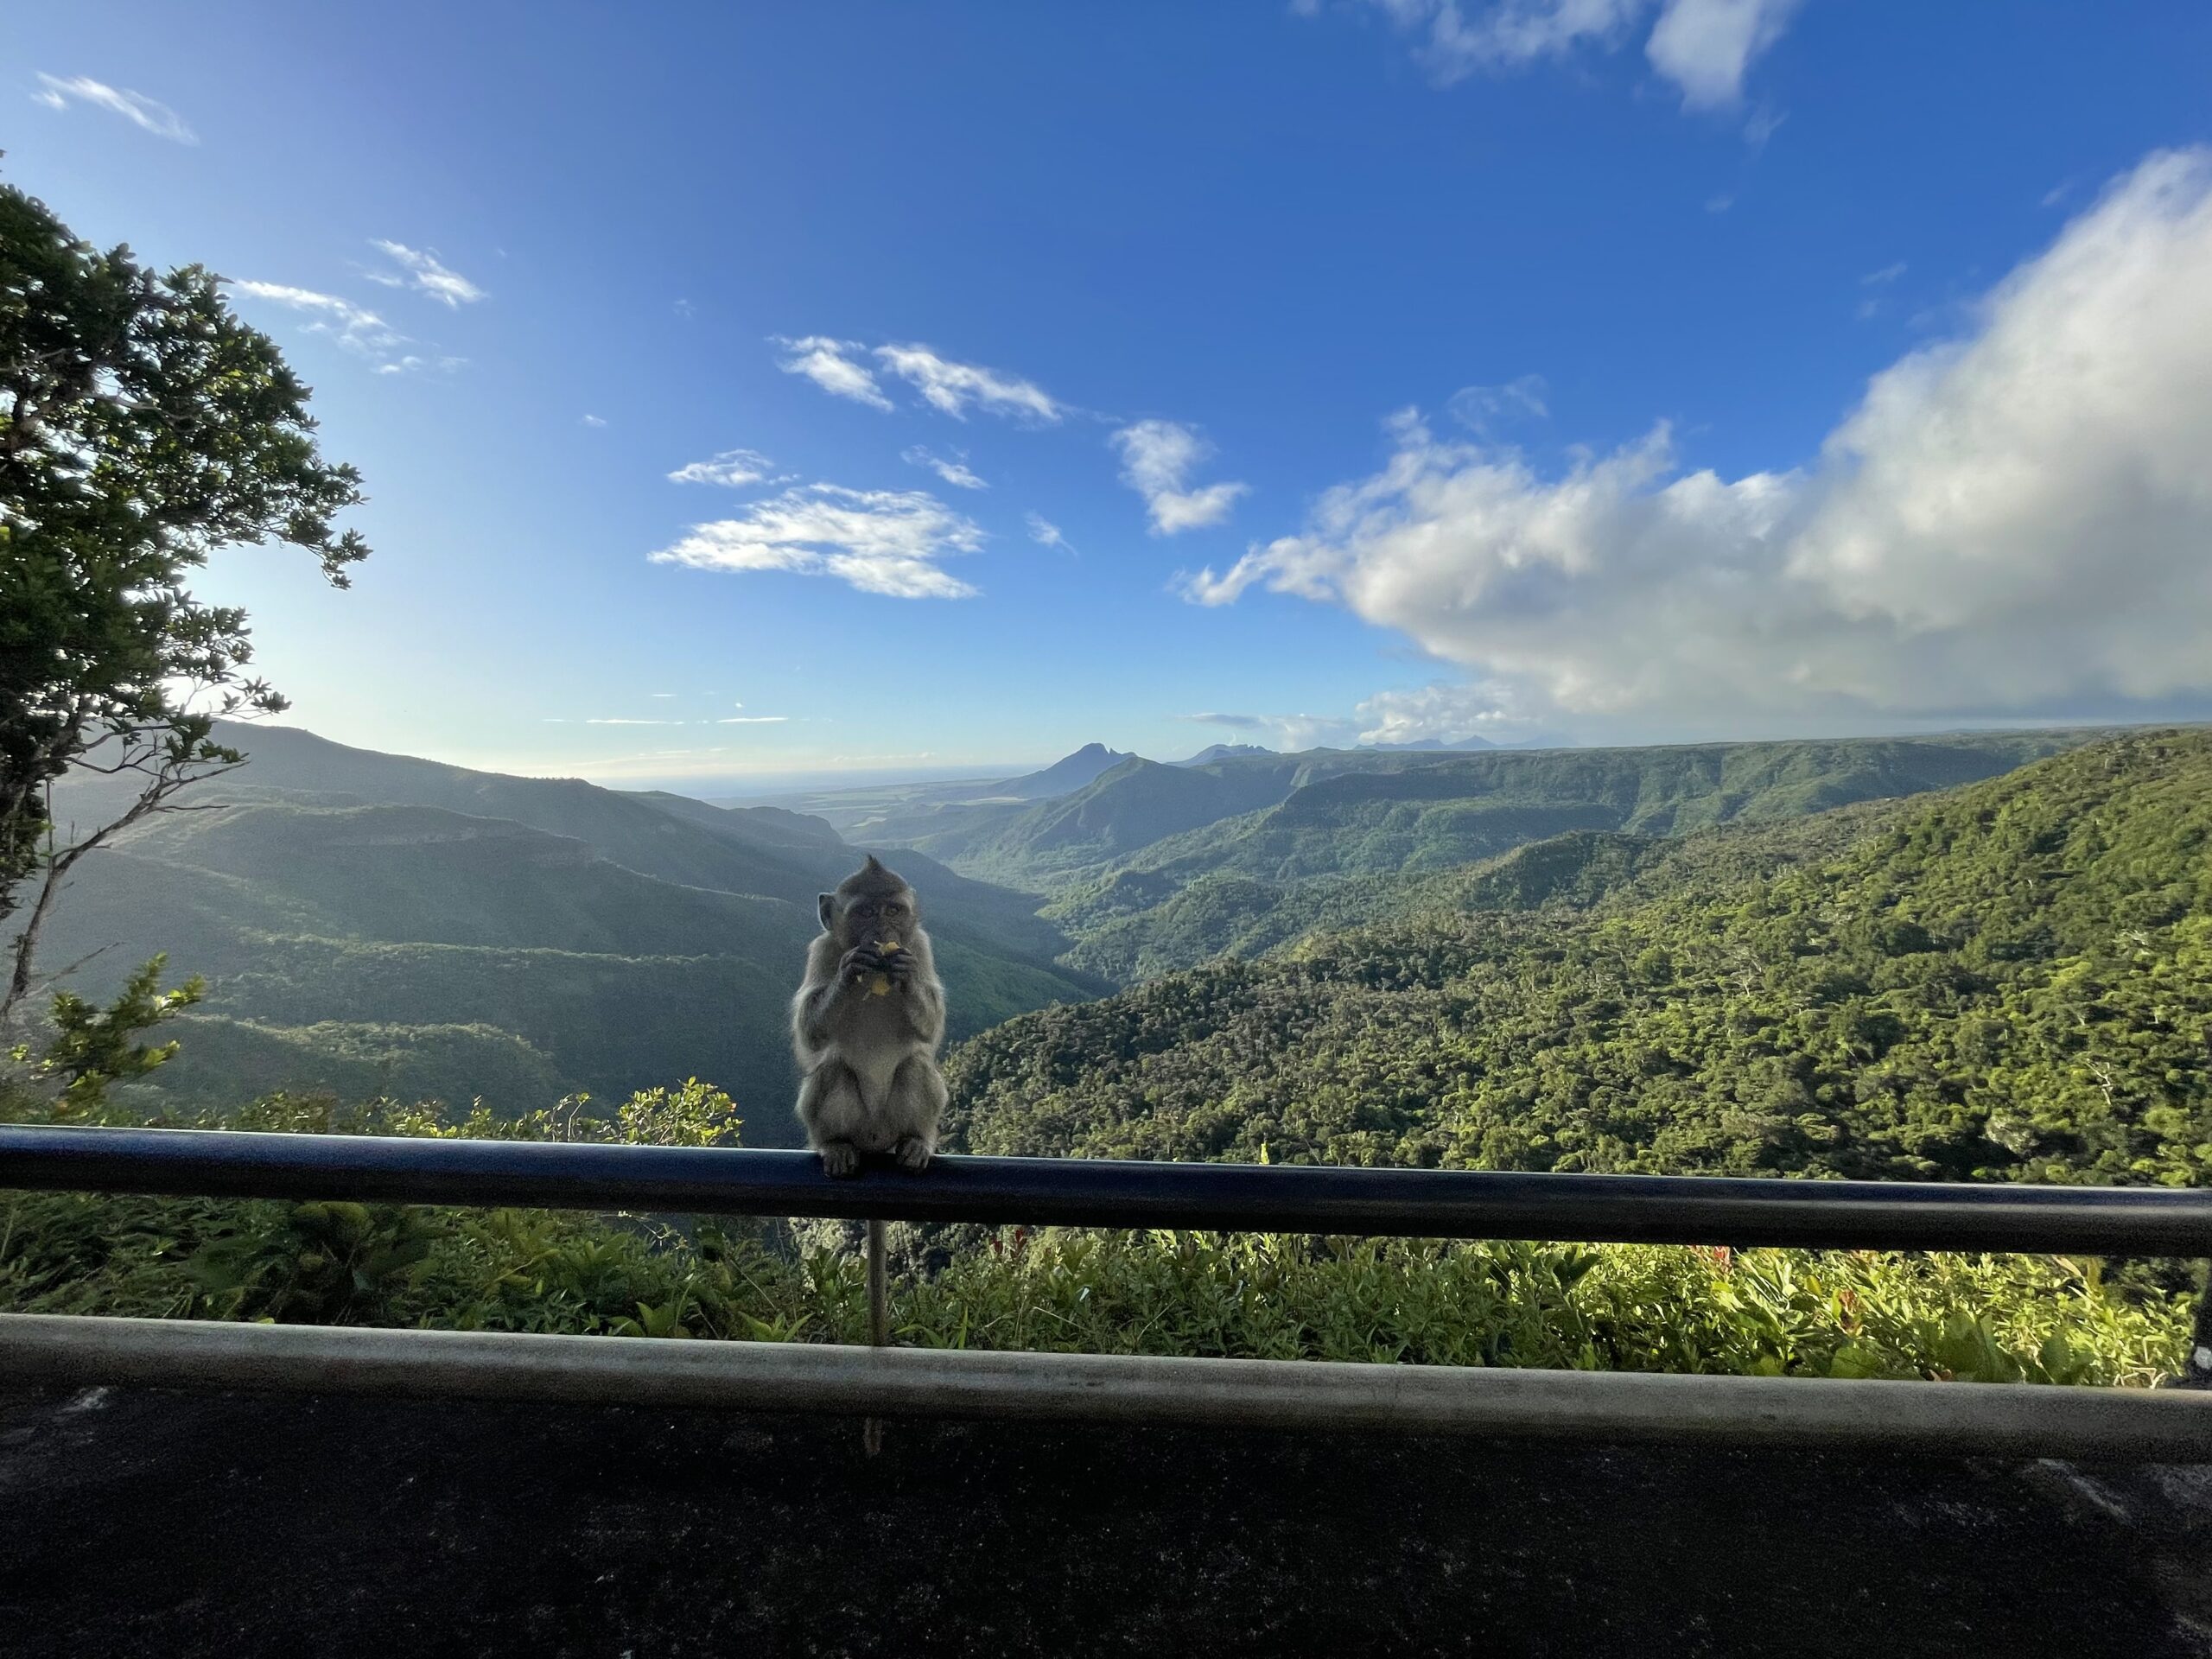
point(866, 1026)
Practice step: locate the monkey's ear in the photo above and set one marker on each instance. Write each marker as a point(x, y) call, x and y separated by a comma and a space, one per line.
point(825, 906)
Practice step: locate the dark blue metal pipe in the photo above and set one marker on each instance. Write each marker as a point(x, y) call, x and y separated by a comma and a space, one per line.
point(1248, 1197)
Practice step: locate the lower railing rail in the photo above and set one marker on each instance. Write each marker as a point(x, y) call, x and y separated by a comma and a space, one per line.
point(1953, 1418)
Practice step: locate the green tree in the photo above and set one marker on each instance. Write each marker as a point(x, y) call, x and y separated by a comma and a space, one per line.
point(93, 1047)
point(142, 426)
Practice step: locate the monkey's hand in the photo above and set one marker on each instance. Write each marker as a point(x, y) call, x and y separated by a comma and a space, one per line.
point(840, 1158)
point(857, 963)
point(899, 966)
point(889, 955)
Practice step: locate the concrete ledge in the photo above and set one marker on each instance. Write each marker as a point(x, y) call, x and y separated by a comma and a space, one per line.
point(1948, 1418)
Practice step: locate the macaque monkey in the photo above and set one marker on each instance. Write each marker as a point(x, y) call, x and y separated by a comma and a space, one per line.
point(867, 1023)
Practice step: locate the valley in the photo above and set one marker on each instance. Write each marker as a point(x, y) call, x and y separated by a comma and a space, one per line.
point(372, 925)
point(377, 925)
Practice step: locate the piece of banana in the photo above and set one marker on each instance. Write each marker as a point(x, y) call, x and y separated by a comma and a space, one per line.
point(880, 985)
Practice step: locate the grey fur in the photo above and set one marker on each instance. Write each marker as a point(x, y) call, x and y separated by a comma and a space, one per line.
point(871, 1080)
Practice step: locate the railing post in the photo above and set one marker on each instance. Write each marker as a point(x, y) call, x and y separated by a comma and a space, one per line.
point(879, 1325)
point(878, 1302)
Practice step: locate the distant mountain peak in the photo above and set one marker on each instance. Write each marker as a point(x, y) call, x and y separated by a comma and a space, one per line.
point(1065, 775)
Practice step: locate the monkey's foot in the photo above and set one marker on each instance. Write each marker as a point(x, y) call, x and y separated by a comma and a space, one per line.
point(913, 1153)
point(840, 1158)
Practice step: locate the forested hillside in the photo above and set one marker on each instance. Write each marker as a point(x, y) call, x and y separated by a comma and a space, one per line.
point(2013, 979)
point(375, 925)
point(1361, 846)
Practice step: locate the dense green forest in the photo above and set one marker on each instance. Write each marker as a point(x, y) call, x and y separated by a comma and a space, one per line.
point(2010, 981)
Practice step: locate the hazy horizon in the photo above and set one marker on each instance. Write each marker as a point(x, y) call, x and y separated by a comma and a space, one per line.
point(765, 784)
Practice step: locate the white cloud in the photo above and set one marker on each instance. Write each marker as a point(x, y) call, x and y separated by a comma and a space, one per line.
point(1287, 734)
point(1705, 46)
point(1157, 457)
point(1876, 281)
point(826, 362)
point(593, 420)
point(1450, 713)
point(1762, 126)
point(357, 330)
point(733, 469)
point(950, 387)
point(56, 92)
point(1511, 34)
point(425, 275)
point(2015, 522)
point(752, 720)
point(612, 720)
point(955, 473)
point(1720, 203)
point(1046, 533)
point(341, 312)
point(1447, 713)
point(1479, 407)
point(879, 541)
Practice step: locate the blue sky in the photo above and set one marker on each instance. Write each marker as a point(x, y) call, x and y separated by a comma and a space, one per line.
point(1595, 369)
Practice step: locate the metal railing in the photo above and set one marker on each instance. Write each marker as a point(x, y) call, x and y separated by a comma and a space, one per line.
point(1225, 1197)
point(1454, 1203)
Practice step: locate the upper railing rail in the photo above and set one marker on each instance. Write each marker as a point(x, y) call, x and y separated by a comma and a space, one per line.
point(1285, 1198)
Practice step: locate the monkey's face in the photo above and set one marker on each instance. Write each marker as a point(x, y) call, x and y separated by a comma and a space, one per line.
point(872, 914)
point(874, 919)
point(871, 908)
